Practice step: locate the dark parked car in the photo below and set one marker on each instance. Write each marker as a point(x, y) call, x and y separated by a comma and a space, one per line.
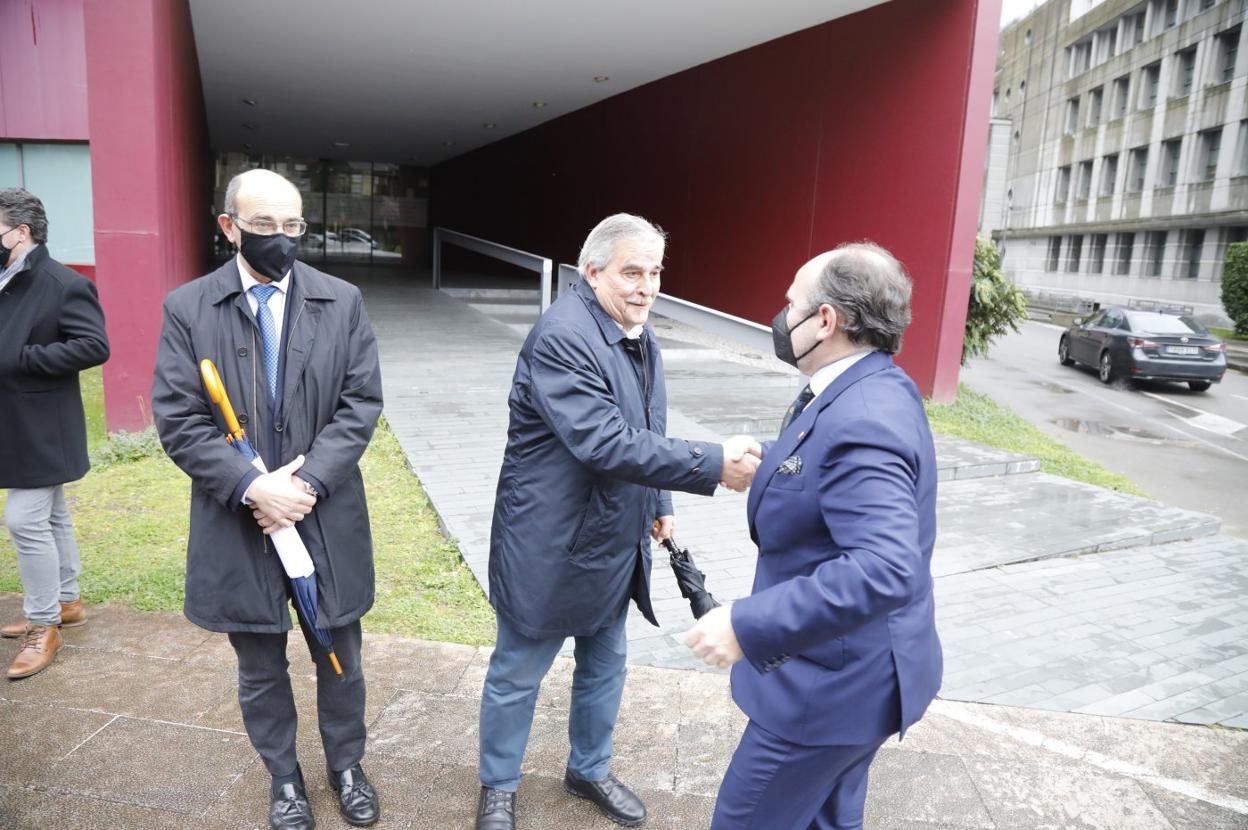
point(1145, 345)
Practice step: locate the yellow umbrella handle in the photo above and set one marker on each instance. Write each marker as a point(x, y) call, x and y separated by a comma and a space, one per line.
point(216, 392)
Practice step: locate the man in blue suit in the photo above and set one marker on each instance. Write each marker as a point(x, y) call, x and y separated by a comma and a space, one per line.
point(838, 636)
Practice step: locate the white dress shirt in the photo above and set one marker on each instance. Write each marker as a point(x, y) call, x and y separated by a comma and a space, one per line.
point(276, 303)
point(824, 376)
point(13, 267)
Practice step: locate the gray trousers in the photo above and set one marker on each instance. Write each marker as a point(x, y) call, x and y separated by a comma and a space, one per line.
point(268, 705)
point(47, 555)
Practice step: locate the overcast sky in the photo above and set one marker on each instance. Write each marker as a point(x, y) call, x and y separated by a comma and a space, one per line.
point(1012, 10)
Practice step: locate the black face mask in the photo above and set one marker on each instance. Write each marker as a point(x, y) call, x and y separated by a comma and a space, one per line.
point(5, 250)
point(269, 256)
point(782, 337)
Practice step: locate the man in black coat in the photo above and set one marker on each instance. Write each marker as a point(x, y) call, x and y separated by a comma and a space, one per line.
point(298, 359)
point(51, 328)
point(584, 479)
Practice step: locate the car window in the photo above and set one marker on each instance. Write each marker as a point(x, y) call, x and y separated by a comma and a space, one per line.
point(1094, 320)
point(1156, 323)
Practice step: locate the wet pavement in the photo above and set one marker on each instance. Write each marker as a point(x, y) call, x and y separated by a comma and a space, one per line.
point(136, 727)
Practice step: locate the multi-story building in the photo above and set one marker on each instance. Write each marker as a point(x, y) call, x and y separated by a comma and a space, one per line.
point(1126, 174)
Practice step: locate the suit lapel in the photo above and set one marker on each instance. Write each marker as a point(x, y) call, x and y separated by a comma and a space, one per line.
point(304, 318)
point(800, 429)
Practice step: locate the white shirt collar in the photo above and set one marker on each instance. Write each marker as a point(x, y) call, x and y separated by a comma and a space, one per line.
point(633, 333)
point(824, 376)
point(249, 281)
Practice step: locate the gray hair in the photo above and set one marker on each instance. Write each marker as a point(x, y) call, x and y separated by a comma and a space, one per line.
point(870, 291)
point(599, 246)
point(21, 207)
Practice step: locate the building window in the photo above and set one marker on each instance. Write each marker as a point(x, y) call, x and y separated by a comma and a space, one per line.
point(1074, 254)
point(1062, 191)
point(1085, 180)
point(1107, 43)
point(1150, 78)
point(1122, 95)
point(1241, 163)
point(1109, 174)
point(1228, 53)
point(1126, 247)
point(1209, 147)
point(1169, 176)
point(1072, 115)
point(1193, 244)
point(1205, 5)
point(1185, 72)
point(1154, 252)
point(1055, 253)
point(1138, 162)
point(1132, 30)
point(1096, 255)
point(1079, 56)
point(1095, 98)
point(1166, 14)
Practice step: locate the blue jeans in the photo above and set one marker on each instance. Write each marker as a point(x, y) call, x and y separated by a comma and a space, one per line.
point(516, 670)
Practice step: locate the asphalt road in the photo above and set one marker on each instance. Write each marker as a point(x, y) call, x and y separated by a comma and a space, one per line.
point(1183, 448)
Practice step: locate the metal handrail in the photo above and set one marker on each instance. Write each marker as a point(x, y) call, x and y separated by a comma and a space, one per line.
point(725, 325)
point(504, 253)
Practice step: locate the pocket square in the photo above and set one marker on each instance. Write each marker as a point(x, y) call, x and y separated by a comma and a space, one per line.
point(792, 466)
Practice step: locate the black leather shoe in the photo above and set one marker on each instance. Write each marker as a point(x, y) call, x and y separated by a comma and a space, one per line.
point(290, 809)
point(616, 801)
point(496, 810)
point(357, 800)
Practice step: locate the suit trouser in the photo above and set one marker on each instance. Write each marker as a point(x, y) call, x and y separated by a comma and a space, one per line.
point(268, 705)
point(773, 784)
point(47, 554)
point(517, 667)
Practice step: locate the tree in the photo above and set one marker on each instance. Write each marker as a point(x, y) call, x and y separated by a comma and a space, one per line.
point(1235, 285)
point(996, 305)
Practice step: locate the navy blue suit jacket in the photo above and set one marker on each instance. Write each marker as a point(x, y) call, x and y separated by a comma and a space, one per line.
point(839, 633)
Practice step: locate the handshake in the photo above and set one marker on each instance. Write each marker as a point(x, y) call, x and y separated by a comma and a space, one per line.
point(742, 455)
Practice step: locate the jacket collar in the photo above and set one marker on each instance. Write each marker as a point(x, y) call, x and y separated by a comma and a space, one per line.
point(307, 282)
point(801, 426)
point(611, 331)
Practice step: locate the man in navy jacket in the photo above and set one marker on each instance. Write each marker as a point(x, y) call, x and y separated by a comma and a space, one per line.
point(838, 636)
point(585, 476)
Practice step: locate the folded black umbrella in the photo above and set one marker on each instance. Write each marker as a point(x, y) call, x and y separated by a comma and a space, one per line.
point(692, 582)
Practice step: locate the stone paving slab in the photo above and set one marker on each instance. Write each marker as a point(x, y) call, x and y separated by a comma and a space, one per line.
point(134, 767)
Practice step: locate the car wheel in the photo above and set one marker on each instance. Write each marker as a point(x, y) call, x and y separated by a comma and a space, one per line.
point(1063, 353)
point(1106, 371)
point(1199, 385)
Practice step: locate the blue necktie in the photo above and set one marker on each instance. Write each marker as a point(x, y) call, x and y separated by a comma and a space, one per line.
point(803, 400)
point(269, 335)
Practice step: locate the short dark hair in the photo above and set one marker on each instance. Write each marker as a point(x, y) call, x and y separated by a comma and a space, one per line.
point(870, 290)
point(21, 207)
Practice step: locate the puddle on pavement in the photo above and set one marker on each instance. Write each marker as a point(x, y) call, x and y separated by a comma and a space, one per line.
point(1103, 430)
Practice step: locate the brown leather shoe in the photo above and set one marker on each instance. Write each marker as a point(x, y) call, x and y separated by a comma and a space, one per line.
point(73, 614)
point(39, 647)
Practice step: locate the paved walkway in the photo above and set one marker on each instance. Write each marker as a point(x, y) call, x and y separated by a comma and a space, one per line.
point(1110, 610)
point(136, 727)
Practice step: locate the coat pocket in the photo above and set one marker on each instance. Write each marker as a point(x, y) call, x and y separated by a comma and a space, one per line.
point(582, 524)
point(830, 655)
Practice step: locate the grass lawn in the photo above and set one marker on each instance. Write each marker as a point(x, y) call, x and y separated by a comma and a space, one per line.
point(979, 418)
point(131, 519)
point(1228, 334)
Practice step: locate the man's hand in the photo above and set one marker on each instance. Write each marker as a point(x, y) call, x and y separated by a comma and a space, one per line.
point(713, 640)
point(741, 458)
point(664, 527)
point(279, 499)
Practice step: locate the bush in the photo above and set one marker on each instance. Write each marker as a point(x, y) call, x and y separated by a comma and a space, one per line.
point(996, 305)
point(1235, 286)
point(123, 447)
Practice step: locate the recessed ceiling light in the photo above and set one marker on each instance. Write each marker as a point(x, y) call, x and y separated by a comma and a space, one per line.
point(342, 144)
point(448, 143)
point(251, 102)
point(538, 104)
point(249, 126)
point(599, 79)
point(489, 125)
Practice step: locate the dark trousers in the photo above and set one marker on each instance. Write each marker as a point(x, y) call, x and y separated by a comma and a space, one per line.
point(772, 783)
point(268, 704)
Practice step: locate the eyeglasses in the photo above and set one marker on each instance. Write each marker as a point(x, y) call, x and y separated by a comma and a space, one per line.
point(267, 227)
